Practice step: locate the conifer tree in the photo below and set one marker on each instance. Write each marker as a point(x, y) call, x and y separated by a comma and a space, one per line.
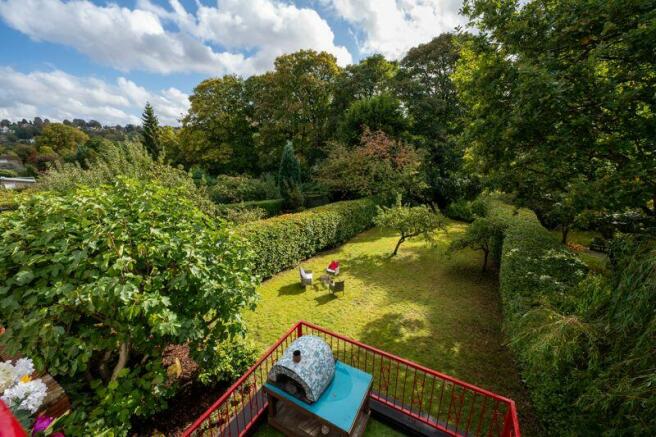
point(289, 178)
point(150, 134)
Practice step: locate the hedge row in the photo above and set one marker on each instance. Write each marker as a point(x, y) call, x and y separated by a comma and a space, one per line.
point(284, 241)
point(273, 207)
point(536, 271)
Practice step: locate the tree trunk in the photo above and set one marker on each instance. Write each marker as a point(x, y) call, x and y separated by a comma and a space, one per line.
point(124, 351)
point(396, 249)
point(486, 252)
point(564, 230)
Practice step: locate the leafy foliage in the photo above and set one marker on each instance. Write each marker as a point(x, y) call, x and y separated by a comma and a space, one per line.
point(289, 179)
point(98, 280)
point(560, 103)
point(272, 207)
point(217, 132)
point(377, 113)
point(282, 242)
point(233, 189)
point(380, 166)
point(409, 221)
point(126, 159)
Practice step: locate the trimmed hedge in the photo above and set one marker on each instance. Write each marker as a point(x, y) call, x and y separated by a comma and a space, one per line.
point(537, 274)
point(272, 207)
point(284, 241)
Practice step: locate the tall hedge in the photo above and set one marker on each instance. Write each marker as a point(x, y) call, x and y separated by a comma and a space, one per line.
point(282, 242)
point(537, 276)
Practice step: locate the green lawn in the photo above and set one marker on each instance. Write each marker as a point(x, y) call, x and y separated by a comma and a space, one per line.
point(423, 304)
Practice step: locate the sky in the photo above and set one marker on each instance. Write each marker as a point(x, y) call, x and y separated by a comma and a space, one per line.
point(103, 60)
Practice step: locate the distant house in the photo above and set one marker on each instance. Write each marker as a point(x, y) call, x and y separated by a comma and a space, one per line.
point(16, 183)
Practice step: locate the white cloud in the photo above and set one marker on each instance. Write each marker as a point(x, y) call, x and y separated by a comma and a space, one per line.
point(142, 38)
point(391, 27)
point(57, 95)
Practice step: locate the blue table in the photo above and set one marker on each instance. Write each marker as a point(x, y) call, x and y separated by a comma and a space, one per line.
point(339, 405)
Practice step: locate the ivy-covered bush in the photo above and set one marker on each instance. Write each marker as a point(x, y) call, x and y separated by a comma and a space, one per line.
point(94, 283)
point(282, 242)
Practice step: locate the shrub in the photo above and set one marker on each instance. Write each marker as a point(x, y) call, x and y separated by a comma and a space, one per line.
point(97, 281)
point(242, 214)
point(289, 179)
point(272, 207)
point(467, 210)
point(234, 189)
point(282, 242)
point(124, 159)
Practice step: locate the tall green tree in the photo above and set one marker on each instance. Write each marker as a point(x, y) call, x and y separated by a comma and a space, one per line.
point(370, 77)
point(289, 178)
point(561, 99)
point(424, 84)
point(294, 102)
point(150, 131)
point(217, 132)
point(63, 140)
point(378, 113)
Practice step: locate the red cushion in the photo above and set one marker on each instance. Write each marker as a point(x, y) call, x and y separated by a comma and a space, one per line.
point(333, 265)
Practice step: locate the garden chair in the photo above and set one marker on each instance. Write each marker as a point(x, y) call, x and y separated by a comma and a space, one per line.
point(333, 268)
point(337, 286)
point(306, 277)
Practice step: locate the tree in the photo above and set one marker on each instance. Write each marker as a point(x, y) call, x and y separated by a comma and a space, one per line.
point(150, 131)
point(561, 93)
point(370, 77)
point(293, 102)
point(378, 113)
point(379, 166)
point(409, 221)
point(125, 270)
point(63, 140)
point(481, 234)
point(217, 132)
point(424, 84)
point(289, 178)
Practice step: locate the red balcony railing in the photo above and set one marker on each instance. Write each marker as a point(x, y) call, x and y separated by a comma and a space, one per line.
point(429, 398)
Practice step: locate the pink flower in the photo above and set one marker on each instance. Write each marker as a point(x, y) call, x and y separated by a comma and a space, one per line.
point(41, 424)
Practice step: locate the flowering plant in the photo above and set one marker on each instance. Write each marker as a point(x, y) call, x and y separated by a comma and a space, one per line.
point(22, 394)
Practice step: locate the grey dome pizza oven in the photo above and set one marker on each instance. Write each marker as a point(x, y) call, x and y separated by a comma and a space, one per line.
point(305, 370)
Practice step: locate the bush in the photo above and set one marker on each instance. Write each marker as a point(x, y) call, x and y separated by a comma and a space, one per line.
point(124, 159)
point(97, 281)
point(467, 210)
point(284, 241)
point(272, 207)
point(234, 189)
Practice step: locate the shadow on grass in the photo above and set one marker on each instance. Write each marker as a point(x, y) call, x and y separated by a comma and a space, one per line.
point(291, 289)
point(325, 298)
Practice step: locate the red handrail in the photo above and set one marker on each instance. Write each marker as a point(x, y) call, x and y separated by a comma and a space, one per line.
point(509, 426)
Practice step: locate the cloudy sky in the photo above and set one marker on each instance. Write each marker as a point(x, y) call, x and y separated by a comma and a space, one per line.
point(103, 60)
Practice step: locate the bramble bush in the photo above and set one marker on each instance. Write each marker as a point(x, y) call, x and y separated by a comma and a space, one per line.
point(97, 281)
point(282, 242)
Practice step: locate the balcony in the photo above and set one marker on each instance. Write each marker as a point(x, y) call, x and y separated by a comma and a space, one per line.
point(411, 397)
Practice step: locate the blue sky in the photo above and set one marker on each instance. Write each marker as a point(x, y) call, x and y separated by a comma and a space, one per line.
point(103, 60)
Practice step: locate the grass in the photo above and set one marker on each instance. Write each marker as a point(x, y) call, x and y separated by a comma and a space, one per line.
point(425, 305)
